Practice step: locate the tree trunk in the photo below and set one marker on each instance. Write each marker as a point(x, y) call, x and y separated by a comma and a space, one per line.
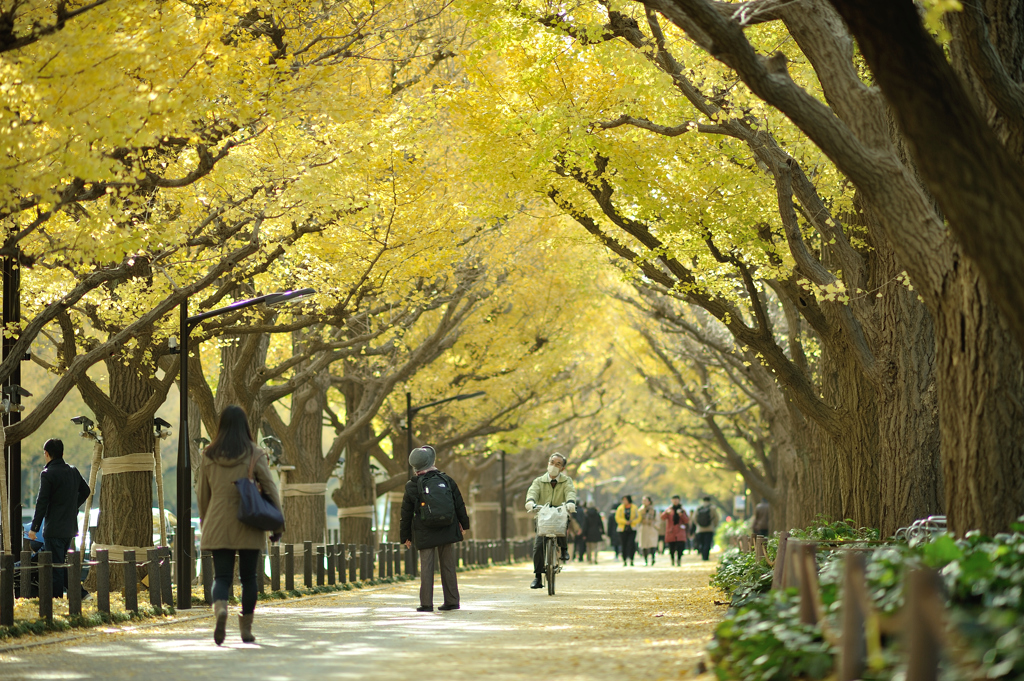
point(126, 499)
point(980, 390)
point(356, 489)
point(910, 465)
point(304, 515)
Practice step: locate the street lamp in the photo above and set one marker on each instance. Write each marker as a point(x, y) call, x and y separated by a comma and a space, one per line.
point(411, 411)
point(183, 549)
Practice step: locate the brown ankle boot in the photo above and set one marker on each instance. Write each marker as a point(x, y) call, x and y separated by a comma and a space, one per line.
point(220, 611)
point(245, 627)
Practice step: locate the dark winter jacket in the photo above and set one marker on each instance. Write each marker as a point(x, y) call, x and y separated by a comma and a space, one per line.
point(62, 489)
point(594, 530)
point(428, 537)
point(613, 528)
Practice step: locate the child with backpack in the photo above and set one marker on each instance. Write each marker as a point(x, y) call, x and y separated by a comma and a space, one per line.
point(433, 518)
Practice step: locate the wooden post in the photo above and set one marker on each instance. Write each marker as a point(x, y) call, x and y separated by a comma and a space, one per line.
point(745, 543)
point(131, 583)
point(791, 570)
point(7, 589)
point(166, 585)
point(331, 568)
point(320, 551)
point(45, 559)
point(102, 568)
point(340, 555)
point(759, 553)
point(25, 577)
point(289, 567)
point(382, 560)
point(780, 561)
point(275, 567)
point(353, 563)
point(261, 573)
point(389, 558)
point(925, 621)
point(153, 570)
point(74, 583)
point(852, 652)
point(307, 564)
point(207, 569)
point(363, 576)
point(807, 570)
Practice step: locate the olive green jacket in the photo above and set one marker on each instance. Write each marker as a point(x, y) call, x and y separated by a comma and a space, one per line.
point(541, 492)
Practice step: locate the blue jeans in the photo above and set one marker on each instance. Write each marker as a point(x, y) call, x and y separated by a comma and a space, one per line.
point(224, 572)
point(58, 546)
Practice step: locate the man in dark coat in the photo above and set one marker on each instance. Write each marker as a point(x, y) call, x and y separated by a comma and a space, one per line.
point(62, 489)
point(419, 528)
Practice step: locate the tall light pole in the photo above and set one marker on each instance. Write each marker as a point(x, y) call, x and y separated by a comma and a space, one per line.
point(411, 411)
point(183, 549)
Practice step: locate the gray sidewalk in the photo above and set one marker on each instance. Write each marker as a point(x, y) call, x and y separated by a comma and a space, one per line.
point(605, 621)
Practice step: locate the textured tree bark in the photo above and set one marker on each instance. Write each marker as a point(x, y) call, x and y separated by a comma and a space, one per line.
point(126, 499)
point(356, 488)
point(980, 389)
point(302, 441)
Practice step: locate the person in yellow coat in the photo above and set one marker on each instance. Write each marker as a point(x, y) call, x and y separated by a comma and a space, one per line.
point(626, 518)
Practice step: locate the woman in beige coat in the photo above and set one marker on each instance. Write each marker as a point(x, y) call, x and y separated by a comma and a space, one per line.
point(226, 460)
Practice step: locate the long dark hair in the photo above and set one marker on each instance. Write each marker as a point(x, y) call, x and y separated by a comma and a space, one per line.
point(233, 438)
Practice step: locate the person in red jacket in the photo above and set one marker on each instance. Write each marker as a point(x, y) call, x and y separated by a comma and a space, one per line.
point(676, 522)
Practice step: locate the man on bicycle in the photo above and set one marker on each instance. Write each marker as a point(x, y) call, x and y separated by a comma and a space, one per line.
point(553, 488)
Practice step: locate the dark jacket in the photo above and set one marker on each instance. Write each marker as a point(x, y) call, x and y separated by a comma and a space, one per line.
point(429, 537)
point(62, 489)
point(613, 528)
point(594, 530)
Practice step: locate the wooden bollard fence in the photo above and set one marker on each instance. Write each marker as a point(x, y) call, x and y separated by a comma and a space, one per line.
point(289, 567)
point(853, 650)
point(307, 564)
point(207, 568)
point(364, 574)
point(153, 571)
point(275, 567)
point(320, 556)
point(389, 558)
point(25, 577)
point(6, 589)
point(166, 583)
point(340, 555)
point(102, 568)
point(45, 559)
point(131, 582)
point(353, 563)
point(925, 621)
point(74, 583)
point(759, 552)
point(780, 562)
point(382, 567)
point(329, 556)
point(261, 572)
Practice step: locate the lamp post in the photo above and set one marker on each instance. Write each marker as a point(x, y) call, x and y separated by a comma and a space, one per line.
point(183, 550)
point(504, 503)
point(411, 411)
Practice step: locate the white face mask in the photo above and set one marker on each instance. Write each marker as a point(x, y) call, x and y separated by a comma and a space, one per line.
point(553, 470)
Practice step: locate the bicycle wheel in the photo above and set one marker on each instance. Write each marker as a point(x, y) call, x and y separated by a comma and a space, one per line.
point(552, 557)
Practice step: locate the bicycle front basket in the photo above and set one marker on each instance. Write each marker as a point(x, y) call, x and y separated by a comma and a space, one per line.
point(552, 520)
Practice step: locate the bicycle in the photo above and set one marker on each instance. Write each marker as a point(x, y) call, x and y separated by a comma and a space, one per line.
point(552, 555)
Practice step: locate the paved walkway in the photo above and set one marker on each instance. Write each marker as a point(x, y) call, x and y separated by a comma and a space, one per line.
point(606, 622)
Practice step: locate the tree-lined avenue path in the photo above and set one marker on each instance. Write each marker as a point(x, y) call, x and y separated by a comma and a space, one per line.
point(605, 622)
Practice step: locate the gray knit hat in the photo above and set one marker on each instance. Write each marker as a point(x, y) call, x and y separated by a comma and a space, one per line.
point(422, 458)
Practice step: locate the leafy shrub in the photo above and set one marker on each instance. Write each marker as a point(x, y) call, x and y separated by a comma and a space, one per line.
point(742, 576)
point(729, 532)
point(765, 640)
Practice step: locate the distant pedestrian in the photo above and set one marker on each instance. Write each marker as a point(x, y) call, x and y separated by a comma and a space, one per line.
point(62, 489)
point(613, 531)
point(762, 518)
point(677, 523)
point(647, 530)
point(232, 456)
point(594, 531)
point(706, 518)
point(626, 519)
point(579, 548)
point(433, 517)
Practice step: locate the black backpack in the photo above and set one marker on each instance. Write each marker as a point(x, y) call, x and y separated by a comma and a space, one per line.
point(437, 502)
point(704, 516)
